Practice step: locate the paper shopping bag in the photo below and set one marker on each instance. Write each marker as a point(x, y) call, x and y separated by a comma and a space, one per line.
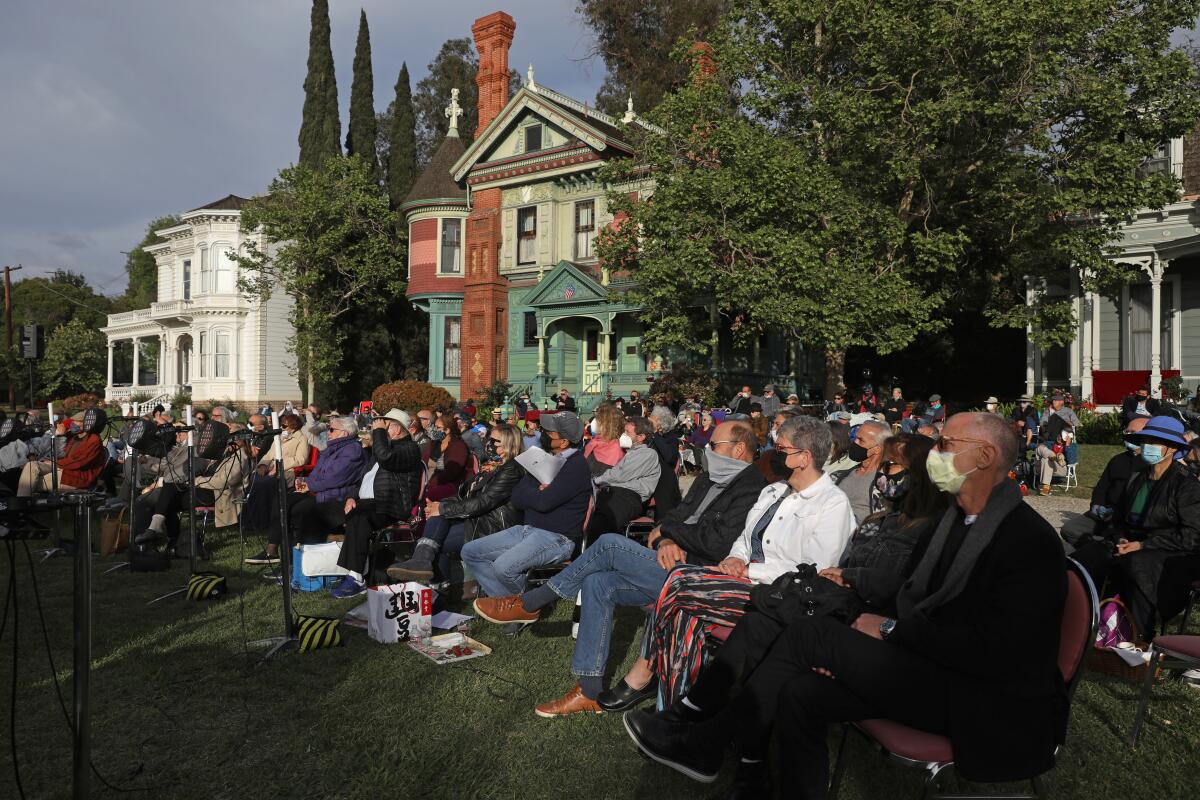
point(399, 612)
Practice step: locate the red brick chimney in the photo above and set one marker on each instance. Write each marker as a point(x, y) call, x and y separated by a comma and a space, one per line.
point(485, 291)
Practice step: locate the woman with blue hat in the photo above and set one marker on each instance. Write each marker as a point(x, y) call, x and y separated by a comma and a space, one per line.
point(1154, 551)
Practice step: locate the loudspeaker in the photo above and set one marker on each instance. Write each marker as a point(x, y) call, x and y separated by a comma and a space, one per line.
point(33, 341)
point(149, 439)
point(211, 439)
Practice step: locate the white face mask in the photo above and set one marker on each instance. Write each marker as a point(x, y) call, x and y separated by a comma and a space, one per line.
point(285, 433)
point(626, 441)
point(594, 427)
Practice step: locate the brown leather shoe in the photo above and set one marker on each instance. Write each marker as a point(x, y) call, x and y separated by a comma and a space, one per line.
point(573, 702)
point(503, 610)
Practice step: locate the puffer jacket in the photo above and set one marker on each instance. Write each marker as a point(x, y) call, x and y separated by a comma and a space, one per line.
point(1171, 519)
point(485, 502)
point(399, 476)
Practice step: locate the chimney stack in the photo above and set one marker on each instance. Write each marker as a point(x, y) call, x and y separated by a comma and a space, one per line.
point(493, 36)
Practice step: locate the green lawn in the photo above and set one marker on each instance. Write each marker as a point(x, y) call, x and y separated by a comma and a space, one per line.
point(1092, 458)
point(181, 711)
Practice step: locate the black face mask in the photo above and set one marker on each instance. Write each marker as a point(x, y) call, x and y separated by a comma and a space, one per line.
point(857, 453)
point(547, 442)
point(779, 464)
point(490, 450)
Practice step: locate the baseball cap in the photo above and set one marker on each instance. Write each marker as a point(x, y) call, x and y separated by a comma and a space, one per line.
point(565, 423)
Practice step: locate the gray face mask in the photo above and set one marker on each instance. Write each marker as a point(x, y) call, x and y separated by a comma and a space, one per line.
point(721, 469)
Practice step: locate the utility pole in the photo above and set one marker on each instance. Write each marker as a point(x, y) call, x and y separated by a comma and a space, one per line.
point(12, 397)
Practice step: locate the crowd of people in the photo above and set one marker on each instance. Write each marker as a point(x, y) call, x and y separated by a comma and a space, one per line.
point(870, 559)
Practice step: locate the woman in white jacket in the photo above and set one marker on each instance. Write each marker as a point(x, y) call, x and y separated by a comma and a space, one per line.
point(804, 519)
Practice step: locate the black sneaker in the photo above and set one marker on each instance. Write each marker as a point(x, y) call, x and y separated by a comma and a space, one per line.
point(150, 535)
point(262, 559)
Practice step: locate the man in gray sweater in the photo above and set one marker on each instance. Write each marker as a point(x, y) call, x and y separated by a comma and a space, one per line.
point(623, 490)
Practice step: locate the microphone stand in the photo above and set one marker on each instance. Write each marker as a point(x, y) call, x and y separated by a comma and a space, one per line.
point(191, 474)
point(132, 458)
point(58, 548)
point(279, 643)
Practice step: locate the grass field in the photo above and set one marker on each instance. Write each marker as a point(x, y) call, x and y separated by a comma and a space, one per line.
point(180, 710)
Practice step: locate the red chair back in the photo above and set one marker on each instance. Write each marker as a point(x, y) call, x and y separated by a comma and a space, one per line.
point(1081, 616)
point(313, 455)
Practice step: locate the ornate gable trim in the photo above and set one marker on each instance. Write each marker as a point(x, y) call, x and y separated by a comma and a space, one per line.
point(566, 284)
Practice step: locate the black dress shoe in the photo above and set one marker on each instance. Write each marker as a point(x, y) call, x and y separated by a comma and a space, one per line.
point(623, 697)
point(675, 746)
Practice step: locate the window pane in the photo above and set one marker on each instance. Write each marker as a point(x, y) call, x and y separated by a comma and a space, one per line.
point(533, 138)
point(187, 280)
point(451, 246)
point(527, 235)
point(530, 338)
point(203, 353)
point(593, 345)
point(585, 228)
point(222, 355)
point(450, 359)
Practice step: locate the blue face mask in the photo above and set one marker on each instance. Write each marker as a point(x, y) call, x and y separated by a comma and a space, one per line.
point(1132, 446)
point(1153, 453)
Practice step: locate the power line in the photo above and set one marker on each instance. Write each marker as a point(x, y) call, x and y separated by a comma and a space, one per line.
point(68, 298)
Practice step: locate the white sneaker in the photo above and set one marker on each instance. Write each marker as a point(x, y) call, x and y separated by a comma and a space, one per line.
point(1191, 677)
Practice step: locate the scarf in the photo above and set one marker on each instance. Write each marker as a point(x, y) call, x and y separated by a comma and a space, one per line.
point(914, 594)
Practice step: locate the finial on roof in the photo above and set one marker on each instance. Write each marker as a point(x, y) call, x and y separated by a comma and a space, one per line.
point(529, 83)
point(629, 115)
point(453, 112)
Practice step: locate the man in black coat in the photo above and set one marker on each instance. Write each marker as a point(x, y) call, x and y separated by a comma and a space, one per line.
point(945, 664)
point(1139, 405)
point(387, 493)
point(1108, 492)
point(618, 571)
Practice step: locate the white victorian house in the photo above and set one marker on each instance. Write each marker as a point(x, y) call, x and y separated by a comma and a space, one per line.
point(202, 335)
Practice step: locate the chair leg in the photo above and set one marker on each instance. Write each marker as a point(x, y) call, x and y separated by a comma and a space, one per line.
point(1187, 612)
point(1144, 700)
point(839, 768)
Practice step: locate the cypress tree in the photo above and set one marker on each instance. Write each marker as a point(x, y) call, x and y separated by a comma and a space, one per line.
point(402, 151)
point(320, 127)
point(360, 137)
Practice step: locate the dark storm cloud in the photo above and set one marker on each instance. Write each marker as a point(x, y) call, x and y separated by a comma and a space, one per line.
point(117, 112)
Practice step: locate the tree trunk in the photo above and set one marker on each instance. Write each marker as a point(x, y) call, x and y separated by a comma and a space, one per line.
point(835, 366)
point(311, 380)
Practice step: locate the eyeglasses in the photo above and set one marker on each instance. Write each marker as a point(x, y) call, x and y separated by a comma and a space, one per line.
point(788, 450)
point(940, 442)
point(715, 442)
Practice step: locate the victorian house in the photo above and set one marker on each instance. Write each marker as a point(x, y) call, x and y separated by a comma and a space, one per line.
point(203, 336)
point(502, 252)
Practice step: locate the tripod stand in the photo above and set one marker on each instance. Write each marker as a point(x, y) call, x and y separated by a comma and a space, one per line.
point(58, 548)
point(277, 644)
point(191, 475)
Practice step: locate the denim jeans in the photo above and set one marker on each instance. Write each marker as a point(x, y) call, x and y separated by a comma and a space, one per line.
point(500, 561)
point(614, 571)
point(448, 535)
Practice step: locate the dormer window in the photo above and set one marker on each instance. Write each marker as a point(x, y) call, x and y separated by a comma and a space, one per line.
point(533, 138)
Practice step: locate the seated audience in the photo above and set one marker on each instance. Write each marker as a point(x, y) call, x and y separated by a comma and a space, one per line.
point(1139, 405)
point(804, 519)
point(895, 407)
point(453, 463)
point(554, 515)
point(840, 464)
point(387, 493)
point(1057, 450)
point(945, 663)
point(623, 491)
point(740, 402)
point(316, 503)
point(472, 434)
point(264, 489)
point(1025, 422)
point(604, 450)
point(1058, 407)
point(532, 436)
point(79, 463)
point(482, 506)
point(1151, 550)
point(1108, 491)
point(866, 450)
point(618, 571)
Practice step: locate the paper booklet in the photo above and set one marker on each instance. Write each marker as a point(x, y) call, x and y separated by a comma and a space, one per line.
point(540, 464)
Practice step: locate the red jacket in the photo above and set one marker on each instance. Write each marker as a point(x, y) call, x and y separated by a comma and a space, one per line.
point(82, 460)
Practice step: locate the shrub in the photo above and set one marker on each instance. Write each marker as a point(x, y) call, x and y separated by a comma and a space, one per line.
point(410, 396)
point(79, 402)
point(685, 380)
point(1096, 428)
point(181, 399)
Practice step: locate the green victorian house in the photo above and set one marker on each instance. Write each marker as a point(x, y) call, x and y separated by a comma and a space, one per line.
point(502, 257)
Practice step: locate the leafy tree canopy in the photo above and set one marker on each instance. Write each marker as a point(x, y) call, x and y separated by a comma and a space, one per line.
point(75, 360)
point(142, 271)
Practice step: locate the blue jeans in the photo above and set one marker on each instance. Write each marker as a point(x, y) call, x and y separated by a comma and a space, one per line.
point(449, 537)
point(615, 571)
point(500, 561)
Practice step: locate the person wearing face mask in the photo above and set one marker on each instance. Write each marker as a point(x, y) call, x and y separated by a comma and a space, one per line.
point(623, 490)
point(1139, 405)
point(617, 571)
point(935, 412)
point(1025, 422)
point(1108, 491)
point(1152, 549)
point(804, 519)
point(944, 662)
point(1056, 451)
point(866, 450)
point(453, 464)
point(991, 405)
point(256, 513)
point(532, 437)
point(870, 573)
point(603, 451)
point(740, 402)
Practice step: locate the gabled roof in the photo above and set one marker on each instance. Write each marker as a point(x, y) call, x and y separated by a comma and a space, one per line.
point(436, 182)
point(230, 202)
point(594, 128)
point(566, 284)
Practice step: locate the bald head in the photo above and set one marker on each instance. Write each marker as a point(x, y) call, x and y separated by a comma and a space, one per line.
point(991, 429)
point(735, 433)
point(1136, 424)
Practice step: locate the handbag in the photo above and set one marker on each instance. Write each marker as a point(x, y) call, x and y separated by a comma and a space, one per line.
point(399, 612)
point(804, 593)
point(114, 532)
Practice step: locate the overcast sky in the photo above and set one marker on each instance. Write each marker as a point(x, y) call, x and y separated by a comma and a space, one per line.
point(118, 111)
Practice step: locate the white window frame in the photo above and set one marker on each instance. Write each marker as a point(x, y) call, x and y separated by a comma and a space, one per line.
point(520, 240)
point(205, 271)
point(222, 264)
point(441, 270)
point(186, 276)
point(202, 353)
point(541, 137)
point(218, 335)
point(589, 236)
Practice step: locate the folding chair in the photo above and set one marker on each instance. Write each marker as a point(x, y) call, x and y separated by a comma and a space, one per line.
point(1166, 652)
point(932, 752)
point(539, 575)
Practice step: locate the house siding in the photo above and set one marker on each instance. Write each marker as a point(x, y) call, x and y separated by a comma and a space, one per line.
point(1110, 334)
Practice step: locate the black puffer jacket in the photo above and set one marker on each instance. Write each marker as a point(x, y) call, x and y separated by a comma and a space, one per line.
point(1171, 518)
point(484, 502)
point(399, 477)
point(874, 561)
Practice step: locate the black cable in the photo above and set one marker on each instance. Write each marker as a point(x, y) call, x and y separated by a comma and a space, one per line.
point(12, 708)
point(528, 693)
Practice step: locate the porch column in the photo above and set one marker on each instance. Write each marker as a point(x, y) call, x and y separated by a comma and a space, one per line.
point(1156, 272)
point(1087, 323)
point(1030, 349)
point(1076, 351)
point(163, 376)
point(110, 363)
point(541, 366)
point(137, 361)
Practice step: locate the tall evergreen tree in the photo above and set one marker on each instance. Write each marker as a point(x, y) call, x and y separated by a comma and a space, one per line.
point(141, 268)
point(320, 127)
point(361, 135)
point(402, 141)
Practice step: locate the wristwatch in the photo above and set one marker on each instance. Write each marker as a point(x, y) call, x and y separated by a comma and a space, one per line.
point(886, 627)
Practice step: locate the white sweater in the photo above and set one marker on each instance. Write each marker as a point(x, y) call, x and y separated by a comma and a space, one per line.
point(810, 527)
